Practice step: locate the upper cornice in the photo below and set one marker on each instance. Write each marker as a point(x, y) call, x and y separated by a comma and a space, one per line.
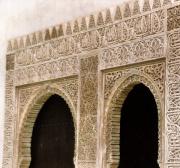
point(86, 23)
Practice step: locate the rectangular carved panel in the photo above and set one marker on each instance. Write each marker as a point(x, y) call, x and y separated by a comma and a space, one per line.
point(10, 62)
point(173, 19)
point(46, 71)
point(88, 110)
point(133, 52)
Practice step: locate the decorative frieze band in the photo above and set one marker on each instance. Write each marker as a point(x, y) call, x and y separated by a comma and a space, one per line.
point(133, 52)
point(46, 71)
point(122, 31)
point(103, 18)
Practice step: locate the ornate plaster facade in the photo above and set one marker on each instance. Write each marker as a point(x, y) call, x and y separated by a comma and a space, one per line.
point(93, 63)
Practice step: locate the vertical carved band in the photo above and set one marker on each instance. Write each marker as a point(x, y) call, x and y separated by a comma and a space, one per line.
point(88, 112)
point(9, 122)
point(173, 100)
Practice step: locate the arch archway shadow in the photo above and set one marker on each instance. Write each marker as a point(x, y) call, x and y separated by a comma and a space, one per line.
point(30, 114)
point(53, 137)
point(139, 130)
point(113, 111)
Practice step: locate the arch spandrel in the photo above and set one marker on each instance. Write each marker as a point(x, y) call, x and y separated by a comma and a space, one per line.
point(113, 106)
point(128, 81)
point(28, 119)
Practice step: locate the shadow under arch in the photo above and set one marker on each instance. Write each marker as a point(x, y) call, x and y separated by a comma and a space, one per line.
point(113, 108)
point(30, 114)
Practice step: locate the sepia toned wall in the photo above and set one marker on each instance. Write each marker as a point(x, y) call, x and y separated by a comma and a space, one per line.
point(93, 62)
point(19, 17)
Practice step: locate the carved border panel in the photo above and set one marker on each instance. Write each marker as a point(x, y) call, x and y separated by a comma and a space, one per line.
point(88, 112)
point(47, 71)
point(9, 121)
point(133, 52)
point(173, 100)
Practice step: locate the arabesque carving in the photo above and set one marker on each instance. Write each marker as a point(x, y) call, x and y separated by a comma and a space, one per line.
point(154, 71)
point(10, 122)
point(129, 53)
point(122, 31)
point(93, 62)
point(88, 111)
point(46, 71)
point(70, 86)
point(173, 18)
point(173, 99)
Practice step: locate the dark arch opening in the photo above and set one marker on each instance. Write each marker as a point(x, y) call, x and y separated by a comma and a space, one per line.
point(139, 130)
point(53, 138)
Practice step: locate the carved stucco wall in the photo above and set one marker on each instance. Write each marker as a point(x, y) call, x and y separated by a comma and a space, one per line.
point(93, 62)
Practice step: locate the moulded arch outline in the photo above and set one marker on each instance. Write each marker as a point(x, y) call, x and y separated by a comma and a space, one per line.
point(28, 119)
point(113, 106)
